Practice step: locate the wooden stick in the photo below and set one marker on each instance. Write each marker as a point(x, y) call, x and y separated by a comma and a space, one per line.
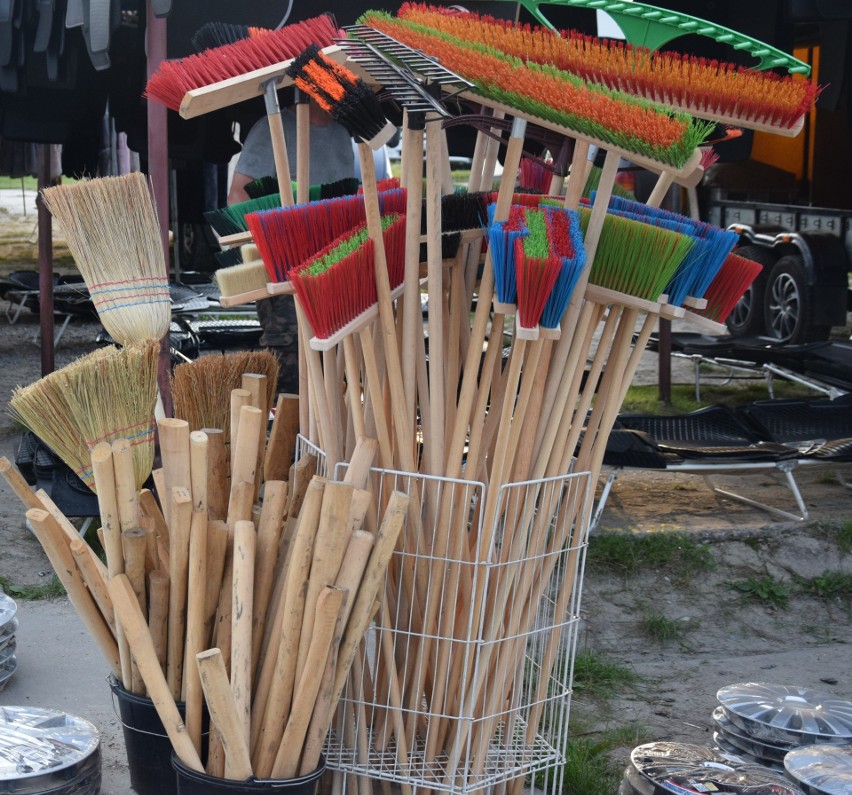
point(255, 383)
point(245, 542)
point(244, 463)
point(199, 471)
point(158, 614)
point(218, 474)
point(332, 538)
point(127, 610)
point(282, 438)
point(181, 522)
point(16, 482)
point(274, 691)
point(95, 579)
point(174, 450)
point(218, 539)
point(328, 606)
point(71, 532)
point(268, 538)
point(52, 540)
point(195, 629)
point(135, 544)
point(151, 509)
point(104, 475)
point(224, 714)
point(352, 570)
point(374, 575)
point(125, 485)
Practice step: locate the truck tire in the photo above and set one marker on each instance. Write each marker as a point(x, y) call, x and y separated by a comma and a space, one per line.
point(746, 318)
point(788, 308)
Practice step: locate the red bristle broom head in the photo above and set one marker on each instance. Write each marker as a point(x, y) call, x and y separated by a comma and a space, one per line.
point(338, 283)
point(342, 94)
point(173, 79)
point(287, 236)
point(733, 279)
point(535, 177)
point(535, 277)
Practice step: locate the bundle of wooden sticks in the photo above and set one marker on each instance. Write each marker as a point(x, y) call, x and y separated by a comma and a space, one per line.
point(255, 613)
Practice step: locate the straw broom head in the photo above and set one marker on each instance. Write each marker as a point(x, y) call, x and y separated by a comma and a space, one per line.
point(111, 227)
point(201, 390)
point(106, 395)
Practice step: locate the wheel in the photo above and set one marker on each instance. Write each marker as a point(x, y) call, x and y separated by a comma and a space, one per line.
point(788, 309)
point(746, 317)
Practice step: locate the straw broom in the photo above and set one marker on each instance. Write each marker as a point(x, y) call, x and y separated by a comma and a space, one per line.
point(106, 395)
point(112, 231)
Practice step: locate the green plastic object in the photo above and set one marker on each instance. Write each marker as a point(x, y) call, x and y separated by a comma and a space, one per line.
point(648, 26)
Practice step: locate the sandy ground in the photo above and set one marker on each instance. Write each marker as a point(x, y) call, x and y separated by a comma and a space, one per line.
point(728, 639)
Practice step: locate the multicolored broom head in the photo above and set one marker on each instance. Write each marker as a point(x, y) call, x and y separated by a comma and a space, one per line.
point(342, 94)
point(710, 89)
point(112, 231)
point(288, 236)
point(104, 396)
point(337, 287)
point(174, 79)
point(538, 257)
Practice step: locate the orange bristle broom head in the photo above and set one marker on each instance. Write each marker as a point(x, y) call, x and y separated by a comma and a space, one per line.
point(703, 87)
point(342, 94)
point(733, 279)
point(288, 236)
point(631, 124)
point(338, 284)
point(173, 79)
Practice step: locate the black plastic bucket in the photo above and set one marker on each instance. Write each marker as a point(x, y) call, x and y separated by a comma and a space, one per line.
point(190, 782)
point(149, 750)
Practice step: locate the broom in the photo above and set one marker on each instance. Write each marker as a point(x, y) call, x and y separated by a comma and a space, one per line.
point(604, 117)
point(111, 228)
point(106, 395)
point(202, 388)
point(702, 87)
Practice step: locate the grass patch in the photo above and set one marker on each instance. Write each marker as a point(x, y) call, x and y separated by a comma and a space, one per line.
point(662, 629)
point(14, 183)
point(590, 768)
point(844, 538)
point(598, 677)
point(672, 553)
point(828, 585)
point(646, 399)
point(766, 590)
point(51, 589)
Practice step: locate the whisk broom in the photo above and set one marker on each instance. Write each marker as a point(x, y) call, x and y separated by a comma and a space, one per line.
point(112, 231)
point(106, 395)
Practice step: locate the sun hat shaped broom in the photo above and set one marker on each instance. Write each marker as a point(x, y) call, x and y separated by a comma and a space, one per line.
point(106, 395)
point(111, 227)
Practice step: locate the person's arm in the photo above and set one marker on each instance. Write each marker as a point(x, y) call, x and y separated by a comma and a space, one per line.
point(237, 193)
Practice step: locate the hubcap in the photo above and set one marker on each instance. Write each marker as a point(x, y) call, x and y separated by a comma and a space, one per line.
point(740, 312)
point(784, 306)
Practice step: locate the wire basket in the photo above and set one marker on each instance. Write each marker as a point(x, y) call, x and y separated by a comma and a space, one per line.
point(464, 680)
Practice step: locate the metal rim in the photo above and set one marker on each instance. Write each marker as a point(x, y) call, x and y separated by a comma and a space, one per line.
point(828, 768)
point(786, 713)
point(740, 312)
point(785, 306)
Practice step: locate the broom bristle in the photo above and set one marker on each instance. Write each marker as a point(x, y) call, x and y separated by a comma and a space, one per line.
point(536, 270)
point(698, 85)
point(217, 34)
point(287, 236)
point(173, 79)
point(338, 284)
point(242, 278)
point(341, 93)
point(106, 395)
point(231, 220)
point(111, 227)
point(201, 389)
point(631, 124)
point(733, 279)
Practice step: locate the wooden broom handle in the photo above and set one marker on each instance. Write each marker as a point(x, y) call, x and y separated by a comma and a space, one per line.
point(51, 538)
point(218, 475)
point(223, 713)
point(174, 449)
point(279, 142)
point(181, 522)
point(195, 629)
point(245, 543)
point(127, 609)
point(328, 606)
point(198, 469)
point(16, 482)
point(282, 438)
point(125, 484)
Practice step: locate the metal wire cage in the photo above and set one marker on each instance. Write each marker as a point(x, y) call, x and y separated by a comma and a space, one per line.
point(464, 680)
